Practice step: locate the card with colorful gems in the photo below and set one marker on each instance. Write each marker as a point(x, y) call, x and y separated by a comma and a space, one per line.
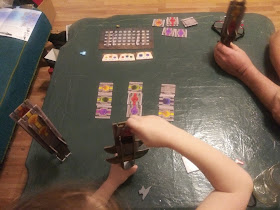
point(135, 86)
point(105, 87)
point(103, 112)
point(133, 110)
point(166, 112)
point(104, 98)
point(110, 57)
point(158, 22)
point(167, 31)
point(127, 57)
point(135, 98)
point(144, 56)
point(165, 99)
point(172, 21)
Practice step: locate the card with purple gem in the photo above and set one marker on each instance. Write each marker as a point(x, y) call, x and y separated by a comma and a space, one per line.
point(181, 33)
point(134, 98)
point(165, 99)
point(103, 112)
point(168, 89)
point(110, 57)
point(144, 56)
point(133, 110)
point(187, 22)
point(104, 99)
point(166, 112)
point(167, 31)
point(135, 86)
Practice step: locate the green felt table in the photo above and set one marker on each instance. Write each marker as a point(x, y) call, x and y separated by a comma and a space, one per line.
point(209, 104)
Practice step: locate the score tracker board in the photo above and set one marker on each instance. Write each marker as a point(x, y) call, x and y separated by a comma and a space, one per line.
point(126, 38)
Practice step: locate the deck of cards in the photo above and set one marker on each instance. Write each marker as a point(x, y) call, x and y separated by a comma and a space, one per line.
point(104, 101)
point(188, 22)
point(134, 99)
point(166, 102)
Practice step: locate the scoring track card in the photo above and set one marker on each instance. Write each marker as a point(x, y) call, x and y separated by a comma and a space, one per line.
point(126, 38)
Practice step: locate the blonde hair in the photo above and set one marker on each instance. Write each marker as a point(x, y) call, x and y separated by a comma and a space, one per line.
point(63, 198)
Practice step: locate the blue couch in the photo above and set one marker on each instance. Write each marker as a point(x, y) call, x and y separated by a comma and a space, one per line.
point(18, 65)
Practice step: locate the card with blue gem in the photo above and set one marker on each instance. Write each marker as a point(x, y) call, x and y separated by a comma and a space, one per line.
point(165, 99)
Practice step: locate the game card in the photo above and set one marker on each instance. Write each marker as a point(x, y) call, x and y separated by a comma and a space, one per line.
point(110, 57)
point(103, 112)
point(134, 98)
point(135, 86)
point(166, 112)
point(168, 89)
point(127, 57)
point(105, 87)
point(133, 110)
point(144, 56)
point(167, 31)
point(188, 22)
point(182, 33)
point(104, 99)
point(165, 99)
point(158, 22)
point(172, 21)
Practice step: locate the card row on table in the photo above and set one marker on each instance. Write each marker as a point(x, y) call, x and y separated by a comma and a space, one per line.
point(104, 100)
point(174, 32)
point(174, 21)
point(134, 100)
point(166, 101)
point(127, 56)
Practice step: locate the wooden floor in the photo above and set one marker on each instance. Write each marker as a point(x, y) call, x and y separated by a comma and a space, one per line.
point(14, 174)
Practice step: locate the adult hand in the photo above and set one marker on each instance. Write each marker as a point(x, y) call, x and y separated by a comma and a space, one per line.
point(152, 130)
point(232, 59)
point(118, 175)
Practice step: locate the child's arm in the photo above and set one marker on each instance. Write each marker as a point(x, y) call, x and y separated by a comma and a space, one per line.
point(233, 186)
point(117, 176)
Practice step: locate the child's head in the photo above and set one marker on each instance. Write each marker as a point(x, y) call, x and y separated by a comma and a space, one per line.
point(63, 198)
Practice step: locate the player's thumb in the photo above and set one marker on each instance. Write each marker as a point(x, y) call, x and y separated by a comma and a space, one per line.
point(234, 47)
point(132, 170)
point(133, 124)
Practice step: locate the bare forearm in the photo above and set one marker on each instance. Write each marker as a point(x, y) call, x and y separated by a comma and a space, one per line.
point(274, 51)
point(262, 87)
point(223, 173)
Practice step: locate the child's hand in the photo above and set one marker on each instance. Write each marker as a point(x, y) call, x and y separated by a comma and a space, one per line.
point(118, 175)
point(152, 130)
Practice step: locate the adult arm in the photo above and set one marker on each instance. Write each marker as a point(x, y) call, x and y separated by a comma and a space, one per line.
point(236, 62)
point(274, 51)
point(233, 186)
